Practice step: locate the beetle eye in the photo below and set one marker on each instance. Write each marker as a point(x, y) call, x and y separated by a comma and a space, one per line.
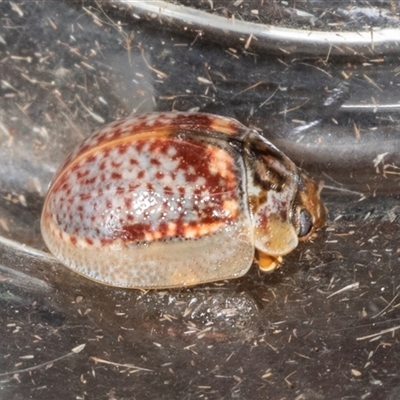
point(305, 223)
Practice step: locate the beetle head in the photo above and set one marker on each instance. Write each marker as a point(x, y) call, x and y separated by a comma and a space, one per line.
point(308, 211)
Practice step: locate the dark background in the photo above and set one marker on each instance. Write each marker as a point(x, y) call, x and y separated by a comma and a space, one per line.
point(322, 327)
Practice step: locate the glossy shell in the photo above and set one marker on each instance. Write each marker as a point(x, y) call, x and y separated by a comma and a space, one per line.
point(176, 199)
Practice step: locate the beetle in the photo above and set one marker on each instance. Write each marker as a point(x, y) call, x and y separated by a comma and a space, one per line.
point(176, 199)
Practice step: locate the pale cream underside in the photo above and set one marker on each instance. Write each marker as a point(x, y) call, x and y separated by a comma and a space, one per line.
point(226, 254)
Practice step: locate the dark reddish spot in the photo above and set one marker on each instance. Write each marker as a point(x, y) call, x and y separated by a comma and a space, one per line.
point(84, 148)
point(102, 165)
point(90, 181)
point(116, 175)
point(92, 218)
point(168, 190)
point(119, 190)
point(73, 239)
point(109, 204)
point(115, 164)
point(89, 241)
point(139, 145)
point(140, 174)
point(100, 192)
point(159, 174)
point(163, 228)
point(156, 146)
point(106, 153)
point(100, 138)
point(102, 178)
point(81, 174)
point(64, 185)
point(134, 232)
point(105, 241)
point(130, 217)
point(79, 208)
point(115, 133)
point(91, 158)
point(84, 196)
point(150, 187)
point(128, 203)
point(154, 161)
point(61, 185)
point(180, 230)
point(159, 146)
point(190, 178)
point(123, 148)
point(198, 192)
point(192, 224)
point(133, 186)
point(139, 127)
point(75, 168)
point(133, 162)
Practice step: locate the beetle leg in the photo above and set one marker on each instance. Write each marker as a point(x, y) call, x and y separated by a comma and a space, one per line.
point(268, 263)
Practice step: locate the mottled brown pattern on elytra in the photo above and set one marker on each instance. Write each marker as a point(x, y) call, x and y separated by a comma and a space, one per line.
point(213, 186)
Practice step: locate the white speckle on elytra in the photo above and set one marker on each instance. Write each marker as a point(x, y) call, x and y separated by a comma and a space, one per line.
point(171, 152)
